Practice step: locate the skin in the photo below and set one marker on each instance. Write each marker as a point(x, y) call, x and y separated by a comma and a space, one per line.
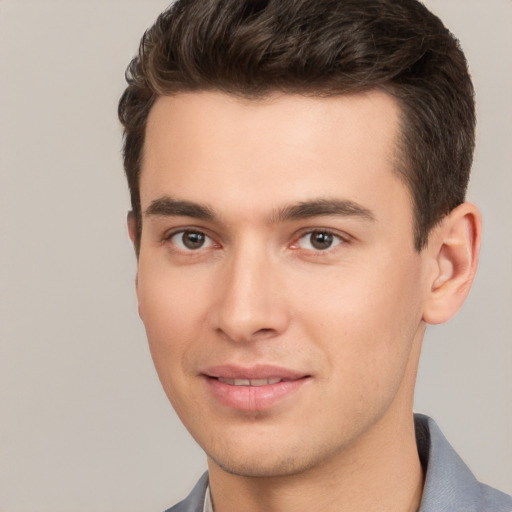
point(348, 318)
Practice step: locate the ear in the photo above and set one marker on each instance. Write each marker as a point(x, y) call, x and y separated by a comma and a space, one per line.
point(132, 232)
point(132, 226)
point(453, 246)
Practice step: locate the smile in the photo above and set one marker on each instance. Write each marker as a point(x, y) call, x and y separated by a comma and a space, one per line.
point(249, 382)
point(256, 388)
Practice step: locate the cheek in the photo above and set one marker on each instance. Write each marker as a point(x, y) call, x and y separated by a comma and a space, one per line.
point(169, 313)
point(361, 297)
point(364, 317)
point(170, 308)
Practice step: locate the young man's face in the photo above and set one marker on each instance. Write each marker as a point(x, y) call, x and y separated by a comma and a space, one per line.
point(278, 280)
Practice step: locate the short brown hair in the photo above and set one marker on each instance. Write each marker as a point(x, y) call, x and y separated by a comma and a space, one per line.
point(322, 47)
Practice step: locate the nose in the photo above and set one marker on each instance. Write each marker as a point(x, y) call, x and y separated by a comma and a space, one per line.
point(251, 303)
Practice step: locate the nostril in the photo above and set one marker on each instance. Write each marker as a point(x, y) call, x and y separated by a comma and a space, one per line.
point(265, 331)
point(240, 336)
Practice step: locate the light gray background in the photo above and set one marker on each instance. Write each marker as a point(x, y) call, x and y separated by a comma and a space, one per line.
point(84, 425)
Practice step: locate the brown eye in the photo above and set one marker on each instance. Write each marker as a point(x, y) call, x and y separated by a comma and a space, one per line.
point(319, 240)
point(191, 240)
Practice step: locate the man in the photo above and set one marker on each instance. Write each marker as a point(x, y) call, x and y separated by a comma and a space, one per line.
point(297, 174)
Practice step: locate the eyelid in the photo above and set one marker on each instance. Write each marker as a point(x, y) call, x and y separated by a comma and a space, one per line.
point(344, 238)
point(170, 234)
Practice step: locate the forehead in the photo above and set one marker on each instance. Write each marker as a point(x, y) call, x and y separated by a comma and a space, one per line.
point(214, 148)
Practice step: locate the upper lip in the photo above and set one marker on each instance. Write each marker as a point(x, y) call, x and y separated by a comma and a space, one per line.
point(259, 371)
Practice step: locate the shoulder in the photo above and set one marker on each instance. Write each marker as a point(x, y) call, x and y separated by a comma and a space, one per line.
point(449, 483)
point(494, 500)
point(194, 502)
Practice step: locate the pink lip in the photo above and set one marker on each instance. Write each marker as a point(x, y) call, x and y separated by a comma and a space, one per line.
point(252, 397)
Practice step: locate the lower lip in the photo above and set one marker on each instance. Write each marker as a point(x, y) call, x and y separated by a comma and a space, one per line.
point(253, 398)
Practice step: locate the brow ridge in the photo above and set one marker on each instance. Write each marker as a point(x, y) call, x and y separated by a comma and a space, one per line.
point(322, 207)
point(166, 206)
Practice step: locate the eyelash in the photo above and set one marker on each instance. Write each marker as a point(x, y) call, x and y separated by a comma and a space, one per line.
point(170, 236)
point(338, 239)
point(320, 231)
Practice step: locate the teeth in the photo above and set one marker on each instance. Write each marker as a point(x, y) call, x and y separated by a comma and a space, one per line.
point(249, 382)
point(259, 382)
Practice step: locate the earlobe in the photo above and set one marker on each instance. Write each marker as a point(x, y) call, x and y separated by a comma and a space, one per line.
point(454, 246)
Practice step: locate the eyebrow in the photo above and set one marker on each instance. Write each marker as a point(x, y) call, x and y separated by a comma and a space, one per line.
point(168, 207)
point(322, 207)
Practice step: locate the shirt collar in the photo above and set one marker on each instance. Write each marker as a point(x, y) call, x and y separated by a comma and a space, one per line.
point(208, 505)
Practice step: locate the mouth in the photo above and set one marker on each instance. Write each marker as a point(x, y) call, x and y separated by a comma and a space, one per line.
point(253, 389)
point(250, 382)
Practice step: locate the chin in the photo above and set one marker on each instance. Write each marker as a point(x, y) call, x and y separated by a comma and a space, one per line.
point(258, 468)
point(269, 463)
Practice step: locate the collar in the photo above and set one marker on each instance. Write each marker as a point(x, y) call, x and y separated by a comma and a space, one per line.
point(208, 505)
point(449, 483)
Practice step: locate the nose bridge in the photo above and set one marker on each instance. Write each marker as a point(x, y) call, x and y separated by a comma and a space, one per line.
point(249, 304)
